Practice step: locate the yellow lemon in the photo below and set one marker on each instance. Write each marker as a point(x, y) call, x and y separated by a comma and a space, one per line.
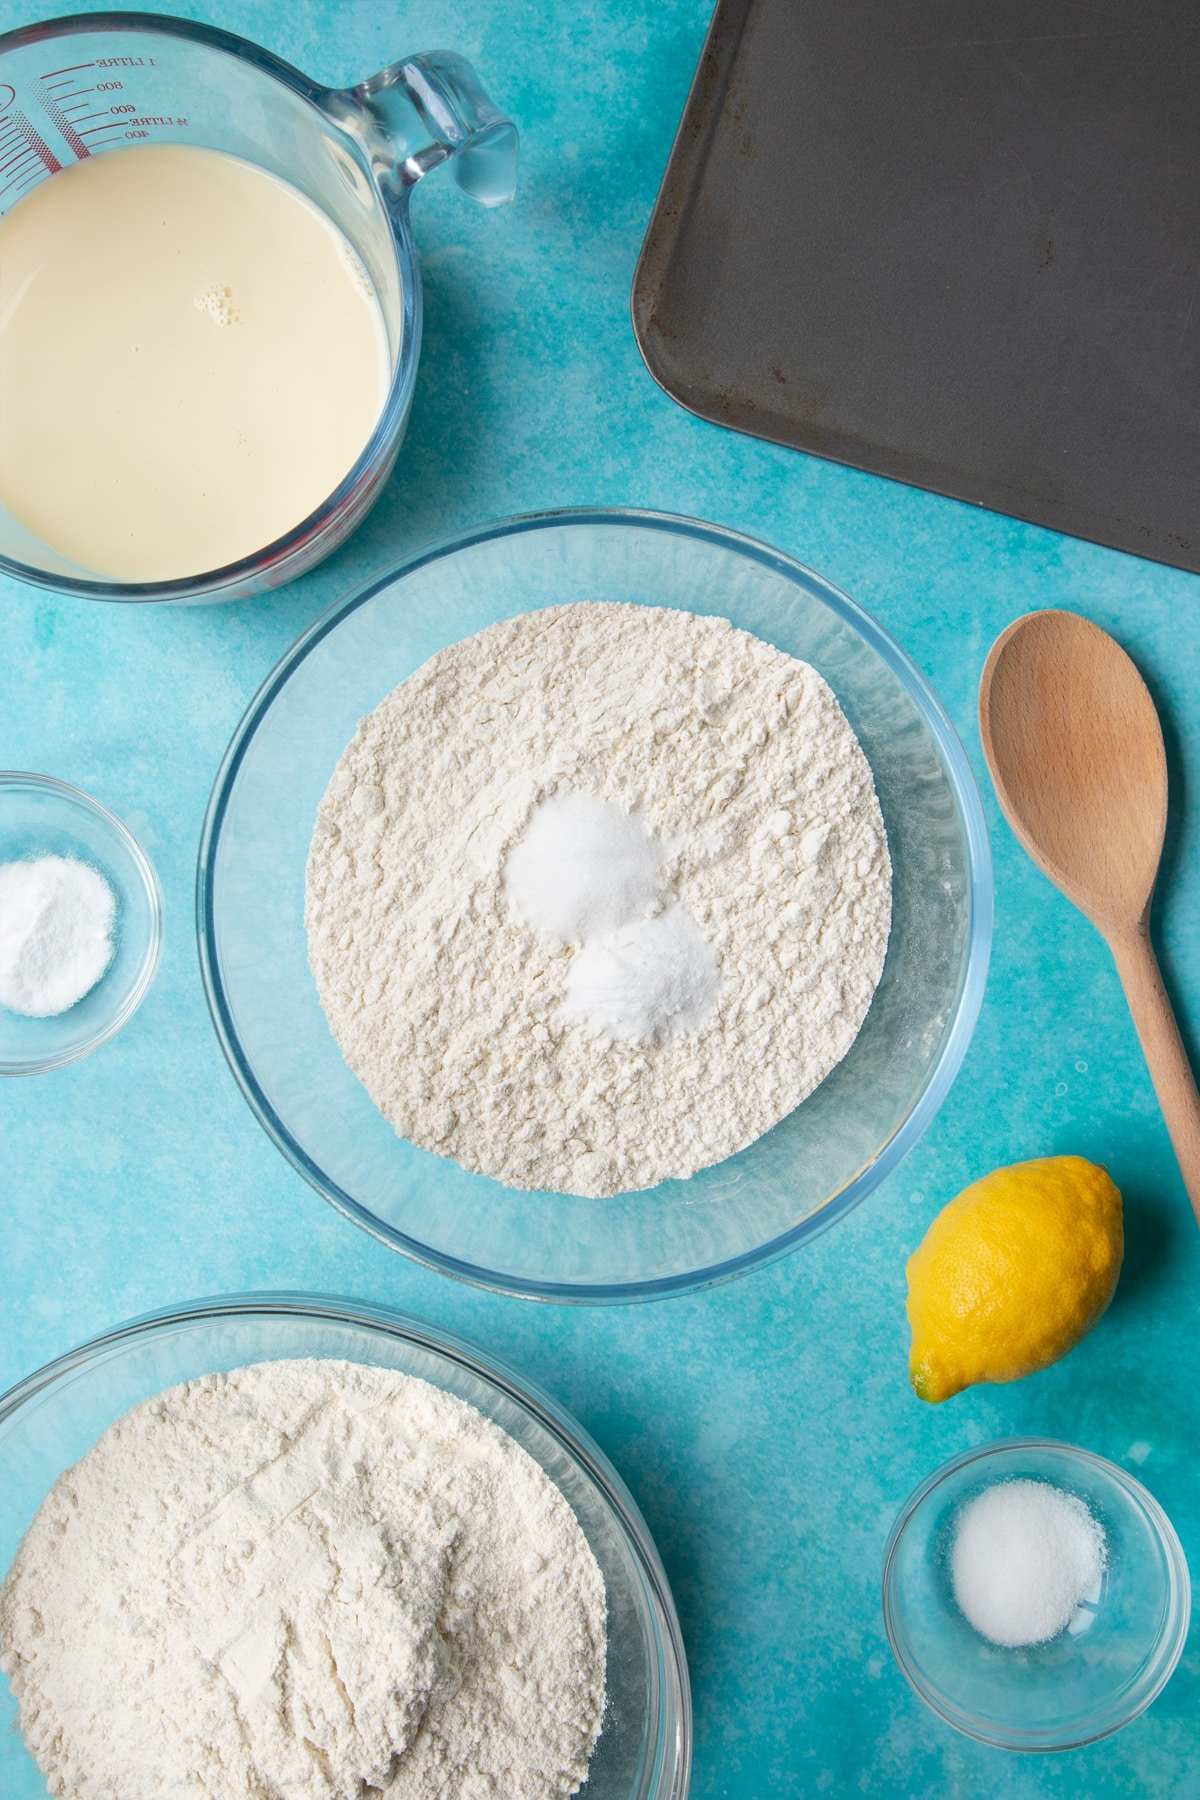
point(1012, 1273)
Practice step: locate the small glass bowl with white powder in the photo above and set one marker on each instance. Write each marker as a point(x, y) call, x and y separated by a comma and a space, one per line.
point(241, 1592)
point(80, 924)
point(1036, 1596)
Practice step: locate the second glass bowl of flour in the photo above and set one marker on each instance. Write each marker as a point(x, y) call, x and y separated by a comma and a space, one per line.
point(370, 1557)
point(698, 843)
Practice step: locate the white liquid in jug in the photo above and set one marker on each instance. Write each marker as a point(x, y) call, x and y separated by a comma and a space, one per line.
point(191, 359)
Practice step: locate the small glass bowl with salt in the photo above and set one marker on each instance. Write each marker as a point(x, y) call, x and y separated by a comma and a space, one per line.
point(80, 924)
point(1023, 1540)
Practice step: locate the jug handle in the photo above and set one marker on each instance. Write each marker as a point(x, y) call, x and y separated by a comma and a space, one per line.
point(431, 109)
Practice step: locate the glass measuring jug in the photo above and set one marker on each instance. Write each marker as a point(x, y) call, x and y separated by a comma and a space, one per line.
point(87, 85)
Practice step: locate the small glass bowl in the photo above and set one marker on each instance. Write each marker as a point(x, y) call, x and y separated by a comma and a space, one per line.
point(43, 817)
point(1113, 1659)
point(51, 1419)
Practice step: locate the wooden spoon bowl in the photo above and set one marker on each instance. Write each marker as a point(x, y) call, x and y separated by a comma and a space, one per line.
point(1075, 748)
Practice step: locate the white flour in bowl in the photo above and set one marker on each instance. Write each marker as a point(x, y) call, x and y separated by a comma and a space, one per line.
point(630, 1052)
point(309, 1580)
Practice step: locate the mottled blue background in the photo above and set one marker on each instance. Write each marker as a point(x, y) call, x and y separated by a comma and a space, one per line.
point(766, 1428)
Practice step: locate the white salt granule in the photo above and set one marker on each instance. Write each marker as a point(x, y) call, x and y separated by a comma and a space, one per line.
point(56, 920)
point(582, 867)
point(1026, 1556)
point(647, 979)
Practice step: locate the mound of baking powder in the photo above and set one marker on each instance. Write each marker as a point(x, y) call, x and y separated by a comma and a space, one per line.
point(542, 1061)
point(56, 925)
point(306, 1581)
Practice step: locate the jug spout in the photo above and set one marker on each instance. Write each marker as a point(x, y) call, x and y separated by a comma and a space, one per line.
point(431, 109)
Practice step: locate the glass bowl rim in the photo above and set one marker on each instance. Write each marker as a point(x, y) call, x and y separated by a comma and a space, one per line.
point(968, 999)
point(1174, 1633)
point(212, 582)
point(673, 1695)
point(63, 790)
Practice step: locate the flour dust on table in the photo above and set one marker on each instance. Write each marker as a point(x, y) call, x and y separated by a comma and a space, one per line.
point(307, 1580)
point(598, 896)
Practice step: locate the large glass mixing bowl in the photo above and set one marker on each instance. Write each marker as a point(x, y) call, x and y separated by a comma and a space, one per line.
point(51, 1419)
point(807, 1172)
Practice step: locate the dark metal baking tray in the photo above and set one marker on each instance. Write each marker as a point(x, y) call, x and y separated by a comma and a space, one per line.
point(955, 242)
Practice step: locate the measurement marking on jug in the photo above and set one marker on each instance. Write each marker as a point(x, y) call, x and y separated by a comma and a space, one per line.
point(35, 146)
point(20, 180)
point(18, 175)
point(38, 144)
point(59, 88)
point(15, 187)
point(58, 118)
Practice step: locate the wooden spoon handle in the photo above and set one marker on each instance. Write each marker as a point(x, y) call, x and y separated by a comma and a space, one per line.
point(1163, 1049)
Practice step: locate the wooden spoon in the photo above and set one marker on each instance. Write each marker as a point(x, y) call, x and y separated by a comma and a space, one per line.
point(1076, 752)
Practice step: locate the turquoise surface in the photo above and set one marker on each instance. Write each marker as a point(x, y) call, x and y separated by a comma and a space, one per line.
point(766, 1428)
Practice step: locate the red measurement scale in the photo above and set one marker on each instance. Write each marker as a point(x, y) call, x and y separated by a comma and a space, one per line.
point(25, 156)
point(89, 108)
